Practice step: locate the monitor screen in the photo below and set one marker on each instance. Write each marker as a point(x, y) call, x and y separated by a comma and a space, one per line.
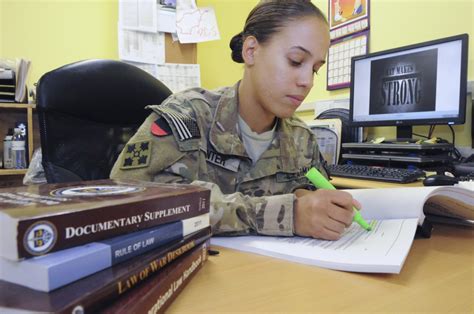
point(413, 85)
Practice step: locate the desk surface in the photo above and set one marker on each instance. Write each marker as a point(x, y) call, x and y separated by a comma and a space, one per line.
point(348, 183)
point(438, 276)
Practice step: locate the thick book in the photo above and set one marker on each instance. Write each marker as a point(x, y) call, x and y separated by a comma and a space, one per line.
point(38, 219)
point(394, 214)
point(90, 294)
point(155, 295)
point(54, 270)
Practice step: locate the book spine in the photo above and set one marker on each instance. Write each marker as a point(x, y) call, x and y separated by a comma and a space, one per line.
point(56, 232)
point(157, 294)
point(137, 273)
point(145, 241)
point(63, 267)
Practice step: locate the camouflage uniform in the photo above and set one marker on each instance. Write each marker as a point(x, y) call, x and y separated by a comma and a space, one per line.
point(193, 137)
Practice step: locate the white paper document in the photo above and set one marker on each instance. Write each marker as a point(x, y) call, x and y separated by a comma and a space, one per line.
point(166, 21)
point(178, 77)
point(382, 250)
point(141, 47)
point(395, 213)
point(175, 76)
point(196, 25)
point(138, 15)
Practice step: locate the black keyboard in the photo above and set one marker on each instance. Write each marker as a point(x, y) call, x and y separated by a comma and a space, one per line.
point(388, 174)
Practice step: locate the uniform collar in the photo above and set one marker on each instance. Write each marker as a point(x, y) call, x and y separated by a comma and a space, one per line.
point(284, 144)
point(224, 135)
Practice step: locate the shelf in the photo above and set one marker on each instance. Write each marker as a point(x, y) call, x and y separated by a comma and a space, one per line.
point(29, 138)
point(16, 105)
point(9, 172)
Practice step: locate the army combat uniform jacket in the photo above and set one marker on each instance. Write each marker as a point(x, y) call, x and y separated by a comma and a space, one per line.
point(193, 137)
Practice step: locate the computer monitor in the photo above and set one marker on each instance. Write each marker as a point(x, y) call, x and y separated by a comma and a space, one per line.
point(421, 84)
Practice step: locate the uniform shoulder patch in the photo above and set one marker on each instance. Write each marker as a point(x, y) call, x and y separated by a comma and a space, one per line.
point(136, 155)
point(185, 125)
point(161, 127)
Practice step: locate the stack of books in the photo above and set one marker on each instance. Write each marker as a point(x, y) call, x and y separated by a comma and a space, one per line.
point(109, 246)
point(13, 78)
point(7, 84)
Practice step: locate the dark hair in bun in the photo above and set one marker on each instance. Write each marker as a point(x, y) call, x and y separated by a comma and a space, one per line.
point(236, 46)
point(267, 18)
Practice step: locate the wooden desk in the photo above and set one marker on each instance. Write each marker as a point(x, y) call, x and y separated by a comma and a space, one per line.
point(438, 276)
point(347, 183)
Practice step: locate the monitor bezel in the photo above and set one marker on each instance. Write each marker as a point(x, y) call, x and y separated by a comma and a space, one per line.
point(460, 119)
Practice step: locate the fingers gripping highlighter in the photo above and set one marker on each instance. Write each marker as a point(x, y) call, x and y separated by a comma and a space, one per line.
point(319, 181)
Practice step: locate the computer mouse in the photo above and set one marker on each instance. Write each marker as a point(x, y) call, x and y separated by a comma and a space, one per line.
point(439, 179)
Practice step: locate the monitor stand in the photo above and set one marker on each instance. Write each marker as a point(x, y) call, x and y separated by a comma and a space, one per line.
point(404, 135)
point(405, 132)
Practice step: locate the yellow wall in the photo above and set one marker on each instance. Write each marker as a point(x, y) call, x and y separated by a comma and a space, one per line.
point(1, 28)
point(52, 33)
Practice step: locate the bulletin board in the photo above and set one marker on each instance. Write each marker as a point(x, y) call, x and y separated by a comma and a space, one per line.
point(179, 53)
point(160, 37)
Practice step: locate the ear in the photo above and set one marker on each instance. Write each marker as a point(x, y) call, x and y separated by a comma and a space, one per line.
point(249, 49)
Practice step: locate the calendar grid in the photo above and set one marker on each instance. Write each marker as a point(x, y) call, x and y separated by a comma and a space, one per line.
point(339, 59)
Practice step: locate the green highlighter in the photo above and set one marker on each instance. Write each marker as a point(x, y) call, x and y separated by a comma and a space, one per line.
point(319, 181)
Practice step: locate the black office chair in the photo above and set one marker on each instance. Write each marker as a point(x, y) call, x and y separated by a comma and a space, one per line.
point(87, 111)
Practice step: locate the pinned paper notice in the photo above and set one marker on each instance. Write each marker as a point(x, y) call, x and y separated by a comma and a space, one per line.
point(186, 4)
point(179, 76)
point(196, 25)
point(175, 76)
point(166, 20)
point(138, 15)
point(141, 47)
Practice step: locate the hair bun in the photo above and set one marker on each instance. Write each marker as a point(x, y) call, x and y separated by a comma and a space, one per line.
point(235, 45)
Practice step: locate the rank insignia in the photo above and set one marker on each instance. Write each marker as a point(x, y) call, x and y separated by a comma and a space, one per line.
point(160, 127)
point(186, 126)
point(137, 155)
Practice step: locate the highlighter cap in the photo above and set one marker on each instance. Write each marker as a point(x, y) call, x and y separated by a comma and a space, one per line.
point(318, 180)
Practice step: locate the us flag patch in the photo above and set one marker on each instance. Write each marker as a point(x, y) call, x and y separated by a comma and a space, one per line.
point(186, 126)
point(137, 155)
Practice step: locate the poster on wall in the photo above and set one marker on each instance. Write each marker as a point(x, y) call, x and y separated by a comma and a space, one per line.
point(348, 17)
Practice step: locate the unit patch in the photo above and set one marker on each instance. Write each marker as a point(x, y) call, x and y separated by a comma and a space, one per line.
point(137, 155)
point(186, 126)
point(160, 127)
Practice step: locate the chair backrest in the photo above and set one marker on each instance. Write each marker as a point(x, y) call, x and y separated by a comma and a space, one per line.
point(87, 111)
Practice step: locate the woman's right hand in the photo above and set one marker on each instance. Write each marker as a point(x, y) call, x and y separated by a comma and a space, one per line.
point(323, 214)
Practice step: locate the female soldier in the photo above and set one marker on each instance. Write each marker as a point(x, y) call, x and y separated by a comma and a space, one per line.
point(244, 142)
